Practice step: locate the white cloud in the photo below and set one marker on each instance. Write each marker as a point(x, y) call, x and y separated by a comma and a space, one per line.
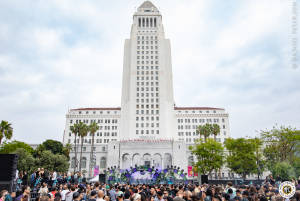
point(57, 55)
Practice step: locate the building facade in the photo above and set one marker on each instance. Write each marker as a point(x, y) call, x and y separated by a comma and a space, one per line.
point(148, 129)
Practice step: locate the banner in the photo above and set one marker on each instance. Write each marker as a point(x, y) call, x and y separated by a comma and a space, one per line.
point(190, 171)
point(195, 172)
point(96, 170)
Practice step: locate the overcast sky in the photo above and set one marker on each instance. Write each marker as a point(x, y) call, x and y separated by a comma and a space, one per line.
point(61, 54)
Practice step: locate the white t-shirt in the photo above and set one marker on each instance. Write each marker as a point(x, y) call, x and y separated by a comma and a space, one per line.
point(100, 199)
point(63, 194)
point(54, 176)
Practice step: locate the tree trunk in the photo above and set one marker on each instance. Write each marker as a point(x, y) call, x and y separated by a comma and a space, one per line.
point(80, 154)
point(92, 155)
point(199, 178)
point(75, 165)
point(244, 176)
point(215, 138)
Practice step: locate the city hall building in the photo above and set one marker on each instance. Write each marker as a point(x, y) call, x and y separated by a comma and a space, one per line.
point(148, 128)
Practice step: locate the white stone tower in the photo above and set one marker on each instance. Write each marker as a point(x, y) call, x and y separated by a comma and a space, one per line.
point(147, 89)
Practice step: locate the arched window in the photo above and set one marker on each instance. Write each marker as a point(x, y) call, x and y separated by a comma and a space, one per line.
point(126, 161)
point(83, 162)
point(136, 160)
point(167, 160)
point(147, 160)
point(157, 161)
point(103, 162)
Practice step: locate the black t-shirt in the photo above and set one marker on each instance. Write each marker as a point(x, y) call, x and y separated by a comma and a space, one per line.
point(92, 199)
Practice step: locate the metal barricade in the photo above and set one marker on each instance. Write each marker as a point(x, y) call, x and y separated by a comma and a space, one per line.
point(33, 196)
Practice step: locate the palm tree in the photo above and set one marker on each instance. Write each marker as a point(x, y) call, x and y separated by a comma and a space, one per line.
point(6, 131)
point(199, 130)
point(93, 127)
point(215, 130)
point(83, 131)
point(204, 130)
point(75, 130)
point(66, 150)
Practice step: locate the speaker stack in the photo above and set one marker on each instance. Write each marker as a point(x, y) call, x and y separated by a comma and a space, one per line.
point(102, 178)
point(204, 179)
point(8, 169)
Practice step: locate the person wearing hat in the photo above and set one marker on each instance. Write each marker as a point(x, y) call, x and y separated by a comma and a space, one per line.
point(120, 196)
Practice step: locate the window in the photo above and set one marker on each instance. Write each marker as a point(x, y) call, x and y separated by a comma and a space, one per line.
point(103, 162)
point(83, 162)
point(73, 162)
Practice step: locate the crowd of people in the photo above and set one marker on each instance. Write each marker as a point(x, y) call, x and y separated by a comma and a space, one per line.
point(69, 187)
point(52, 178)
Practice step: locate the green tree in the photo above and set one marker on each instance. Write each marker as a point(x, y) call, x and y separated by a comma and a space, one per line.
point(52, 162)
point(282, 145)
point(296, 166)
point(26, 162)
point(241, 156)
point(260, 161)
point(215, 130)
point(204, 130)
point(283, 171)
point(6, 130)
point(75, 130)
point(93, 127)
point(10, 147)
point(83, 131)
point(283, 141)
point(209, 154)
point(66, 150)
point(54, 146)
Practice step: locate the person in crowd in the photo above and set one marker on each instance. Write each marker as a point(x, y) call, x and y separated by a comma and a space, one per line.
point(25, 194)
point(100, 196)
point(69, 194)
point(44, 189)
point(3, 194)
point(113, 194)
point(64, 192)
point(93, 196)
point(57, 197)
point(126, 196)
point(76, 196)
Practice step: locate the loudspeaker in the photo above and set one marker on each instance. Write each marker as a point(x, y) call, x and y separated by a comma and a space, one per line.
point(8, 167)
point(204, 179)
point(102, 178)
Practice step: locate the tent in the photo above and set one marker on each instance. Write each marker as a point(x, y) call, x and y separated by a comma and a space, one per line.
point(95, 179)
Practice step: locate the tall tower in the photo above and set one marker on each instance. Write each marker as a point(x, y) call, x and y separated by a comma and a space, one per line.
point(147, 88)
